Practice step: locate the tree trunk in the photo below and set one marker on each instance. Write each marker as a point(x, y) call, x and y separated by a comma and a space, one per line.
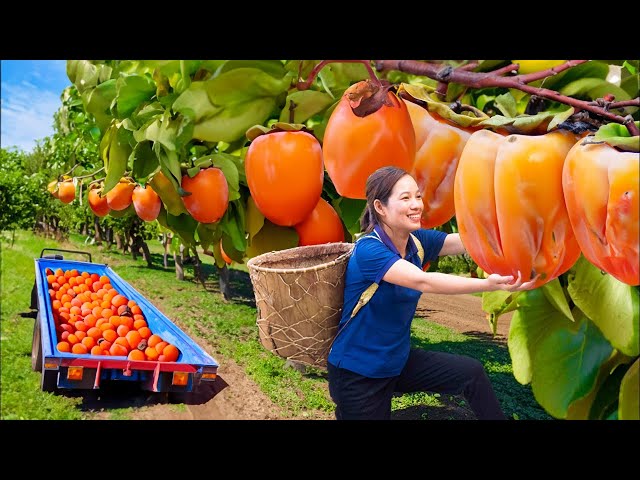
point(166, 241)
point(98, 231)
point(177, 259)
point(146, 254)
point(225, 286)
point(199, 271)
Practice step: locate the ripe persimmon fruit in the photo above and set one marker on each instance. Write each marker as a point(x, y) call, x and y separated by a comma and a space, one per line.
point(209, 195)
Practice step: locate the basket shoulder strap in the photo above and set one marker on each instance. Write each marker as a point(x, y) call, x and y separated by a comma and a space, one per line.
point(418, 245)
point(368, 293)
point(364, 298)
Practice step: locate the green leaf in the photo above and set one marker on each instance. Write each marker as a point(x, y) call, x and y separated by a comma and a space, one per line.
point(185, 226)
point(616, 135)
point(168, 194)
point(531, 323)
point(132, 91)
point(244, 85)
point(275, 68)
point(205, 236)
point(506, 104)
point(83, 74)
point(497, 304)
point(307, 104)
point(612, 305)
point(350, 210)
point(629, 404)
point(608, 396)
point(254, 220)
point(144, 162)
point(130, 210)
point(555, 295)
point(465, 119)
point(272, 237)
point(630, 67)
point(595, 404)
point(170, 166)
point(234, 120)
point(521, 123)
point(581, 87)
point(233, 225)
point(115, 160)
point(194, 103)
point(631, 85)
point(590, 69)
point(228, 166)
point(98, 103)
point(608, 88)
point(566, 364)
point(337, 77)
point(559, 118)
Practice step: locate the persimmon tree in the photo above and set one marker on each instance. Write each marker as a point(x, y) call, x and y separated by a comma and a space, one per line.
point(165, 123)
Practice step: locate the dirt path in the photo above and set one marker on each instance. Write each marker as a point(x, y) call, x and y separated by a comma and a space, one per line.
point(462, 313)
point(234, 396)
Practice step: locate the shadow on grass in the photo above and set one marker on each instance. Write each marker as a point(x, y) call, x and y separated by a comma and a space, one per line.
point(448, 411)
point(121, 394)
point(516, 400)
point(239, 281)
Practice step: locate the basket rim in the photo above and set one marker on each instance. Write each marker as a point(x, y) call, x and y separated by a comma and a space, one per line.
point(341, 258)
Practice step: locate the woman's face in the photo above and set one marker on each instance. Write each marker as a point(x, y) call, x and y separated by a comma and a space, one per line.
point(404, 206)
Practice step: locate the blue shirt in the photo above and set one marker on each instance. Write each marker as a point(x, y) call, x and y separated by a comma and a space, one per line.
point(376, 342)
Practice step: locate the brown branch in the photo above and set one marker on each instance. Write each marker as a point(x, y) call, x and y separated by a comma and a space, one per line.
point(491, 79)
point(91, 174)
point(305, 84)
point(626, 103)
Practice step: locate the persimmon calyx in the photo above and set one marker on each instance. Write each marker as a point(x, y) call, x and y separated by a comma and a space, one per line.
point(367, 97)
point(257, 130)
point(463, 115)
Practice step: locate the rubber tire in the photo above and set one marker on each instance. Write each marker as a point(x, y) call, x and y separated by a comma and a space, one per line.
point(36, 347)
point(49, 378)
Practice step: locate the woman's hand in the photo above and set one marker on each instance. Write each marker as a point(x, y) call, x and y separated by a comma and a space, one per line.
point(508, 283)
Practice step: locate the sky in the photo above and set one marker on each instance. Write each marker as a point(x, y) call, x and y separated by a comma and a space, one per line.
point(30, 95)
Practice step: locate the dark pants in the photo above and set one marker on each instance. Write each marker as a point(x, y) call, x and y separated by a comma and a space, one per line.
point(363, 398)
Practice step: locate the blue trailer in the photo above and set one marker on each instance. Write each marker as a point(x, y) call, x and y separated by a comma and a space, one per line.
point(63, 370)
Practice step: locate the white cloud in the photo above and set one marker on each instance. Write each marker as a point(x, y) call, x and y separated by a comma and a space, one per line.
point(26, 115)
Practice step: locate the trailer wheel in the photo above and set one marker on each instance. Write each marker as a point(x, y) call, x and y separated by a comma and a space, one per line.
point(36, 347)
point(49, 381)
point(49, 378)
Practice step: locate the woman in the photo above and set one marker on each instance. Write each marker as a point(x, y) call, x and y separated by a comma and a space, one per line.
point(371, 357)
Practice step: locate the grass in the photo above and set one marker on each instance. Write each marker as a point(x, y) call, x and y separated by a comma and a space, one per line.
point(226, 329)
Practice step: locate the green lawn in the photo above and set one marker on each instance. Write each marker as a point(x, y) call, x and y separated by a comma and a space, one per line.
point(227, 327)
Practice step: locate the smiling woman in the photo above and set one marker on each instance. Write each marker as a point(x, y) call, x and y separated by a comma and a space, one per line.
point(30, 95)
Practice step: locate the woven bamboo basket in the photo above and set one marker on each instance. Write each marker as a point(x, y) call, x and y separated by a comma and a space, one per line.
point(299, 295)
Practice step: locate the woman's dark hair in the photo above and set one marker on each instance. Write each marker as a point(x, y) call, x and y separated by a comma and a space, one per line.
point(379, 186)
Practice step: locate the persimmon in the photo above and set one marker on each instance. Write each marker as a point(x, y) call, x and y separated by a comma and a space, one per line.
point(323, 225)
point(120, 196)
point(209, 195)
point(66, 191)
point(79, 349)
point(285, 173)
point(170, 353)
point(354, 146)
point(63, 347)
point(146, 203)
point(227, 259)
point(601, 188)
point(136, 355)
point(510, 206)
point(98, 204)
point(439, 145)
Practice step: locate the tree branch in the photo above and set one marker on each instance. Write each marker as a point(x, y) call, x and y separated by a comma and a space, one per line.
point(305, 84)
point(493, 79)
